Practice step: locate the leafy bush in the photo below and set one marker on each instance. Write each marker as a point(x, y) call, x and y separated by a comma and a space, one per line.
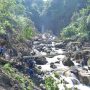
point(50, 84)
point(26, 28)
point(70, 31)
point(18, 76)
point(79, 27)
point(2, 31)
point(56, 75)
point(12, 17)
point(27, 33)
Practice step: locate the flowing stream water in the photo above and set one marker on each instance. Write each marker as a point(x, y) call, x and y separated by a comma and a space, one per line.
point(70, 79)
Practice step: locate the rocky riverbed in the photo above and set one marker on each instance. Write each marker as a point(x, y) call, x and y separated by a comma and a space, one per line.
point(54, 57)
point(61, 60)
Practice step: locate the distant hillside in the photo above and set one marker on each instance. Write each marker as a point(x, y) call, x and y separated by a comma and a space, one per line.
point(53, 15)
point(79, 26)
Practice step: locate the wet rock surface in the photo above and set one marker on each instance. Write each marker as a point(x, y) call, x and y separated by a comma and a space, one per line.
point(84, 77)
point(66, 65)
point(52, 65)
point(49, 57)
point(68, 62)
point(40, 60)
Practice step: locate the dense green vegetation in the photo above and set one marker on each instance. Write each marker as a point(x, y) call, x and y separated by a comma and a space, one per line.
point(13, 18)
point(80, 25)
point(21, 78)
point(53, 15)
point(51, 84)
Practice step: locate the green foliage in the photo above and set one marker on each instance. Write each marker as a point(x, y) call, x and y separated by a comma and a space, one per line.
point(68, 32)
point(53, 14)
point(27, 33)
point(18, 76)
point(12, 16)
point(26, 28)
point(79, 27)
point(50, 84)
point(2, 31)
point(89, 62)
point(56, 75)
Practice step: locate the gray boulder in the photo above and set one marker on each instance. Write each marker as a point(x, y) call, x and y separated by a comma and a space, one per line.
point(68, 62)
point(84, 77)
point(52, 65)
point(40, 60)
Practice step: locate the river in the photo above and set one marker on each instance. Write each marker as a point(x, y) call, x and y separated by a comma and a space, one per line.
point(70, 78)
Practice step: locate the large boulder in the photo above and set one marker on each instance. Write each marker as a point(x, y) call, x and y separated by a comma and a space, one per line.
point(74, 71)
point(84, 77)
point(68, 62)
point(52, 65)
point(77, 55)
point(59, 45)
point(7, 83)
point(40, 60)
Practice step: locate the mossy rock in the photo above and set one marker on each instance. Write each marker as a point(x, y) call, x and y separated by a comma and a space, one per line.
point(89, 62)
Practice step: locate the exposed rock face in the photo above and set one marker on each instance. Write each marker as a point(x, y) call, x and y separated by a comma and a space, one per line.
point(84, 77)
point(77, 55)
point(59, 45)
point(8, 84)
point(74, 71)
point(4, 36)
point(89, 67)
point(3, 40)
point(67, 62)
point(40, 60)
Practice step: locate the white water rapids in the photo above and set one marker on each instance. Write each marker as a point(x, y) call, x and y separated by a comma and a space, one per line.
point(70, 78)
point(60, 66)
